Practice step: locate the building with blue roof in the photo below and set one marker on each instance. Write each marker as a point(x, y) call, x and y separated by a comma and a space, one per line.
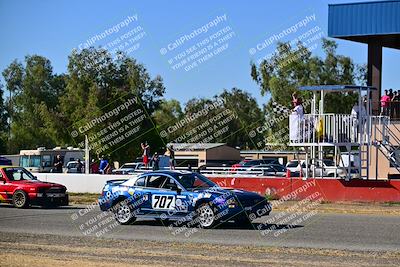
point(375, 23)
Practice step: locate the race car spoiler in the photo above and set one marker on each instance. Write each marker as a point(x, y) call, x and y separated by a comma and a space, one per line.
point(116, 181)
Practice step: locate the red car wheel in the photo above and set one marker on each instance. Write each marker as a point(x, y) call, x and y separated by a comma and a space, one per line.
point(20, 199)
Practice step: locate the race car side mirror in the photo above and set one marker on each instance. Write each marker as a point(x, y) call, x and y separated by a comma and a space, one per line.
point(178, 190)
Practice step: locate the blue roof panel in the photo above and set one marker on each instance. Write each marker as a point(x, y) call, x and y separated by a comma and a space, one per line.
point(364, 19)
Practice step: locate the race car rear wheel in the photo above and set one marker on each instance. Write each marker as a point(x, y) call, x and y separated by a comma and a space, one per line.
point(205, 216)
point(123, 213)
point(20, 199)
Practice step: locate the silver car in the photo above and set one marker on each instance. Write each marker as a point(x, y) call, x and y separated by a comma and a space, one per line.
point(129, 168)
point(268, 170)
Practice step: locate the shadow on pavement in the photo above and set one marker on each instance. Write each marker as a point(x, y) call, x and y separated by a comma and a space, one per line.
point(225, 225)
point(5, 205)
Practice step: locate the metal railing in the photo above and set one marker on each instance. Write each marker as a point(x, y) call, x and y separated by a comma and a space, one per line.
point(386, 140)
point(218, 171)
point(325, 128)
point(392, 110)
point(242, 172)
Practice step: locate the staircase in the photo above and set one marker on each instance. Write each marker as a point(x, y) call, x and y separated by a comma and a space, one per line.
point(389, 143)
point(364, 160)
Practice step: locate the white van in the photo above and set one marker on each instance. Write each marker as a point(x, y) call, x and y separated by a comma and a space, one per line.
point(325, 168)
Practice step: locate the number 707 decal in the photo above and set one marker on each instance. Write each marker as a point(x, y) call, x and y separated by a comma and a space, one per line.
point(163, 202)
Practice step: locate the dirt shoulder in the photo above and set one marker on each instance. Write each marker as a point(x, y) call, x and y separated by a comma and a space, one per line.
point(51, 250)
point(381, 208)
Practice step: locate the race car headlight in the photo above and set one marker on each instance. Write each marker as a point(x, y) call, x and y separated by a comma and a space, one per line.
point(229, 202)
point(232, 203)
point(219, 201)
point(39, 194)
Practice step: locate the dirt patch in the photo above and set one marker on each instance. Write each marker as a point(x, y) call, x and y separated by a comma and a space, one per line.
point(77, 198)
point(51, 250)
point(381, 208)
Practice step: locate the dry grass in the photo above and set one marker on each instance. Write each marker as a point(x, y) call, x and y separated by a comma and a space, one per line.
point(381, 208)
point(41, 250)
point(83, 198)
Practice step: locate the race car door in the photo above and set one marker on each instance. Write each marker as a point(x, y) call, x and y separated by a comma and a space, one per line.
point(161, 198)
point(3, 192)
point(7, 186)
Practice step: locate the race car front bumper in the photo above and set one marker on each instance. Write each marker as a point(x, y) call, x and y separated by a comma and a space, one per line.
point(262, 208)
point(259, 208)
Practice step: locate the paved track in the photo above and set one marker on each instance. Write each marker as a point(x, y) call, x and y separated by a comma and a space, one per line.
point(337, 231)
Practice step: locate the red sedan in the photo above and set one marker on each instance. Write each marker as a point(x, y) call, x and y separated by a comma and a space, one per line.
point(21, 188)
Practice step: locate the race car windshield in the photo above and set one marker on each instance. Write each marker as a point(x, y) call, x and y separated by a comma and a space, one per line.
point(192, 181)
point(18, 174)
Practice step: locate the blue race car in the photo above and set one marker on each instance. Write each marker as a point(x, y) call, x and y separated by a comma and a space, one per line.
point(180, 196)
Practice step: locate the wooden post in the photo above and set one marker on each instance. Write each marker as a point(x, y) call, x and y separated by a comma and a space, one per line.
point(375, 74)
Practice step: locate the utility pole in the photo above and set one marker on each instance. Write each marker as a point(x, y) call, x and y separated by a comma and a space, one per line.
point(87, 155)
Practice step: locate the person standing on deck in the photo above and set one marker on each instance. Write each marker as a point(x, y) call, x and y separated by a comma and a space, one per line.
point(396, 103)
point(155, 162)
point(296, 120)
point(391, 106)
point(171, 153)
point(358, 114)
point(385, 100)
point(146, 154)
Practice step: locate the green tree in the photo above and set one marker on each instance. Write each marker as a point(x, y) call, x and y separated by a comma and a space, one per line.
point(109, 79)
point(51, 115)
point(13, 77)
point(31, 86)
point(168, 111)
point(95, 79)
point(236, 103)
point(3, 123)
point(44, 106)
point(248, 114)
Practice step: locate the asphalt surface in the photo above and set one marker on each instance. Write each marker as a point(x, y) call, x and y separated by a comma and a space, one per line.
point(306, 230)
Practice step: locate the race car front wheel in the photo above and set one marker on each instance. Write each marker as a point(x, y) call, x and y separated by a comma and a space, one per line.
point(123, 213)
point(20, 199)
point(205, 216)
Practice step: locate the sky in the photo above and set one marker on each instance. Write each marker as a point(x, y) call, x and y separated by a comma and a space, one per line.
point(198, 47)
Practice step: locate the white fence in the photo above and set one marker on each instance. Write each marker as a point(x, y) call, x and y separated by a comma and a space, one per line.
point(80, 183)
point(330, 128)
point(94, 183)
